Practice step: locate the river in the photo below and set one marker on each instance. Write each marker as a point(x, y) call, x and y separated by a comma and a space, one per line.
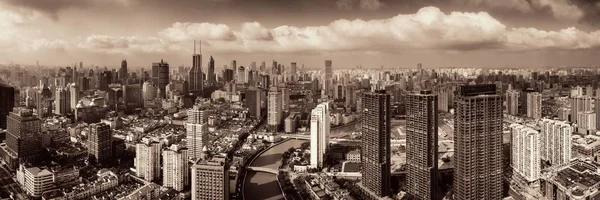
point(261, 185)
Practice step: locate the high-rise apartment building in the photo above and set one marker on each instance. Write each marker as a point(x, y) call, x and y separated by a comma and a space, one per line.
point(23, 138)
point(525, 152)
point(275, 109)
point(580, 104)
point(160, 76)
point(586, 122)
point(100, 143)
point(196, 129)
point(175, 168)
point(210, 180)
point(319, 135)
point(241, 75)
point(512, 102)
point(563, 113)
point(375, 147)
point(421, 145)
point(555, 139)
point(147, 160)
point(478, 143)
point(534, 105)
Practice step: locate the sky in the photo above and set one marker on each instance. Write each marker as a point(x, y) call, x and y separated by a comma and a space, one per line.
point(371, 33)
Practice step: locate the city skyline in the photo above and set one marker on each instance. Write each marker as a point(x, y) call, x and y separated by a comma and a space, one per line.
point(446, 34)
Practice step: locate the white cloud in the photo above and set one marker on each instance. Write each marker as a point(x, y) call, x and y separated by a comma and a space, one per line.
point(125, 45)
point(427, 29)
point(204, 31)
point(255, 31)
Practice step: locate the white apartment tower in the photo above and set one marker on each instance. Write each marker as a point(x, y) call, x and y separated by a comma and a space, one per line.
point(196, 130)
point(555, 140)
point(147, 160)
point(319, 134)
point(534, 105)
point(525, 152)
point(175, 167)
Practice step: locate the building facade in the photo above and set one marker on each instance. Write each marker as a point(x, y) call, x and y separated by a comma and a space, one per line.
point(478, 142)
point(196, 130)
point(556, 141)
point(210, 181)
point(319, 135)
point(421, 145)
point(175, 168)
point(147, 160)
point(525, 152)
point(375, 147)
point(100, 143)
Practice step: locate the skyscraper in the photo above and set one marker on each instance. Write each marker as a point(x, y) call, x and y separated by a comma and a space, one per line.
point(478, 143)
point(555, 141)
point(534, 105)
point(212, 78)
point(525, 152)
point(241, 75)
point(7, 102)
point(160, 76)
point(253, 100)
point(319, 134)
point(147, 160)
point(74, 95)
point(293, 71)
point(580, 104)
point(195, 81)
point(196, 129)
point(512, 102)
point(123, 74)
point(326, 90)
point(210, 180)
point(375, 148)
point(62, 104)
point(23, 137)
point(275, 110)
point(100, 143)
point(175, 168)
point(421, 145)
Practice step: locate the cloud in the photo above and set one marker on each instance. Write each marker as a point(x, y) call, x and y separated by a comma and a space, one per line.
point(561, 9)
point(567, 39)
point(255, 31)
point(428, 29)
point(203, 31)
point(125, 45)
point(53, 7)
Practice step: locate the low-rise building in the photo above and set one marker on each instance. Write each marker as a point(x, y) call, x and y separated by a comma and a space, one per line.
point(147, 192)
point(578, 179)
point(35, 181)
